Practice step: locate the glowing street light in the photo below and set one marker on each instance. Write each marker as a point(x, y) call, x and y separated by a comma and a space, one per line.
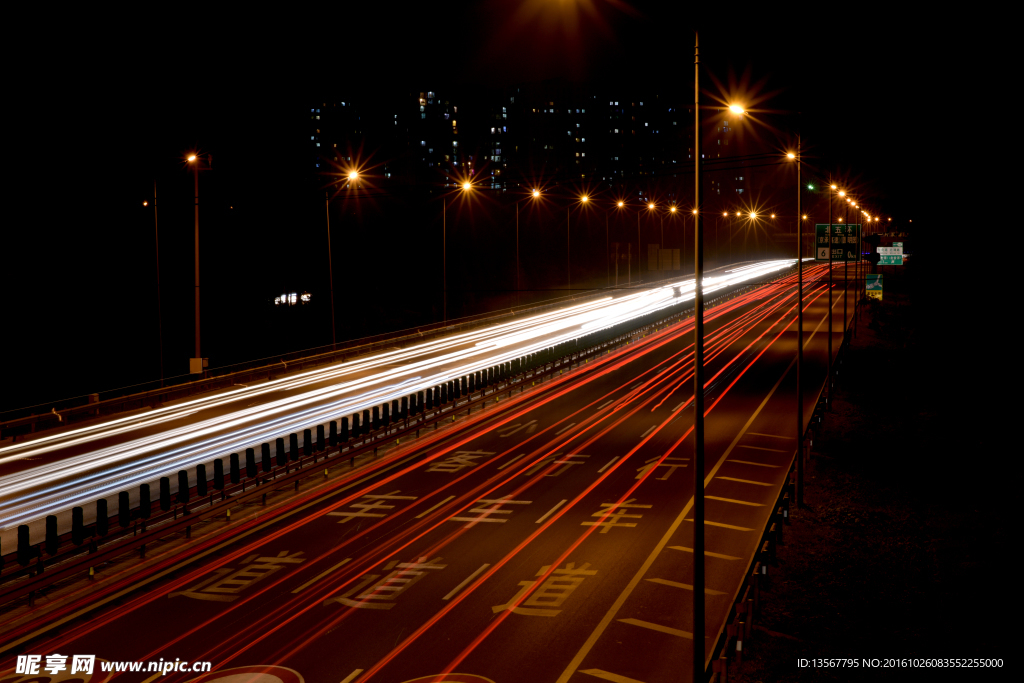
point(536, 193)
point(736, 109)
point(790, 155)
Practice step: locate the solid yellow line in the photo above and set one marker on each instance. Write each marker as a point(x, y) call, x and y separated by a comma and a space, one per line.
point(658, 627)
point(745, 481)
point(733, 500)
point(747, 462)
point(761, 448)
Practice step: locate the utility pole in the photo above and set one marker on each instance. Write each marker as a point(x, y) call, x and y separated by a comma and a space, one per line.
point(159, 313)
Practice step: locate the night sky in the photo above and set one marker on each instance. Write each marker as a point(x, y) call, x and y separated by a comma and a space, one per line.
point(103, 105)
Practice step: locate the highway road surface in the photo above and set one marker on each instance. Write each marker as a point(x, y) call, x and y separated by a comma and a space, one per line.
point(549, 539)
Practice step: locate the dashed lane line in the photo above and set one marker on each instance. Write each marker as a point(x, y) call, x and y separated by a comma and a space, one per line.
point(605, 405)
point(684, 586)
point(565, 428)
point(552, 510)
point(609, 676)
point(320, 576)
point(512, 461)
point(658, 627)
point(724, 526)
point(427, 512)
point(465, 582)
point(707, 553)
point(644, 435)
point(352, 676)
point(762, 448)
point(773, 436)
point(745, 481)
point(608, 465)
point(737, 502)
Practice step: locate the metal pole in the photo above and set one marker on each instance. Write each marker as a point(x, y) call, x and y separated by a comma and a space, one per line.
point(607, 265)
point(828, 379)
point(330, 269)
point(699, 669)
point(517, 253)
point(195, 170)
point(799, 337)
point(444, 257)
point(159, 313)
point(846, 267)
point(639, 264)
point(568, 253)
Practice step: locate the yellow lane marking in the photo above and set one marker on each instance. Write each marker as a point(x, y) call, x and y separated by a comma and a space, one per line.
point(774, 436)
point(352, 676)
point(658, 627)
point(573, 665)
point(737, 502)
point(608, 465)
point(724, 526)
point(706, 552)
point(552, 510)
point(747, 462)
point(608, 676)
point(320, 576)
point(427, 512)
point(684, 586)
point(760, 448)
point(465, 581)
point(512, 461)
point(745, 481)
point(565, 428)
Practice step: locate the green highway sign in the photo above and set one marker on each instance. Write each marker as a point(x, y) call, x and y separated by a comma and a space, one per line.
point(890, 259)
point(843, 235)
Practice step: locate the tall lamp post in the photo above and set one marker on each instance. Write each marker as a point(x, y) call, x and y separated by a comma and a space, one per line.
point(352, 177)
point(699, 670)
point(831, 243)
point(196, 365)
point(535, 194)
point(799, 331)
point(159, 313)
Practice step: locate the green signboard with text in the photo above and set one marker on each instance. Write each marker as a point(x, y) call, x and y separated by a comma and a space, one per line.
point(845, 240)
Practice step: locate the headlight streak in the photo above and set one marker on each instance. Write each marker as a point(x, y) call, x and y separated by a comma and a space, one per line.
point(138, 460)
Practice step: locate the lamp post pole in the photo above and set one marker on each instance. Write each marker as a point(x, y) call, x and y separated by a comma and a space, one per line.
point(159, 313)
point(517, 252)
point(828, 386)
point(330, 267)
point(444, 258)
point(799, 336)
point(568, 252)
point(639, 264)
point(699, 669)
point(195, 170)
point(846, 267)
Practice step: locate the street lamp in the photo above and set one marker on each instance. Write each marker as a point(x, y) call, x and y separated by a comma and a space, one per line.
point(799, 331)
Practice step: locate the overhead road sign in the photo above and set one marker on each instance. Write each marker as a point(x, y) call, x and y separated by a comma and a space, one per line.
point(845, 240)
